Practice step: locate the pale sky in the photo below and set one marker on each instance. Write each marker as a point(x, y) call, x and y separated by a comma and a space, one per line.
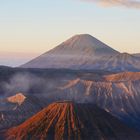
point(29, 28)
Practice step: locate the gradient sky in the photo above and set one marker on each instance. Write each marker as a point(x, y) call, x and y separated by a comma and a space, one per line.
point(31, 27)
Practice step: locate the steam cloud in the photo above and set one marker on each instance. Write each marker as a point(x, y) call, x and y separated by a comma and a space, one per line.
point(124, 3)
point(23, 83)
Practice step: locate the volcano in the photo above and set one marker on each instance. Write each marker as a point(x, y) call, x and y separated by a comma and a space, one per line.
point(69, 121)
point(79, 52)
point(84, 52)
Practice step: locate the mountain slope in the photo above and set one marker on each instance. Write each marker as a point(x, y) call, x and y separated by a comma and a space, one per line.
point(77, 52)
point(120, 62)
point(69, 121)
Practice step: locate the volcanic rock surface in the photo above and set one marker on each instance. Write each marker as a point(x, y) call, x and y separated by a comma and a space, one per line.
point(69, 121)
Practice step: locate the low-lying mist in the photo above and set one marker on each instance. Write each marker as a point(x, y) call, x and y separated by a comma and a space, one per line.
point(25, 83)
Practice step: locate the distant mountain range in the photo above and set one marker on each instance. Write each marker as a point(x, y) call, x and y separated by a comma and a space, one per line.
point(86, 52)
point(69, 121)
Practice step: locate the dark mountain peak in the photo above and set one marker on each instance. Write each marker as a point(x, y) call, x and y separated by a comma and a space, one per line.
point(67, 120)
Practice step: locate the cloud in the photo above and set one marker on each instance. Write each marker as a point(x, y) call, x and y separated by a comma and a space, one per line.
point(124, 3)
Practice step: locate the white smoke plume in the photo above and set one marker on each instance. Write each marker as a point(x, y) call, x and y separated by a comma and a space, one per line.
point(22, 83)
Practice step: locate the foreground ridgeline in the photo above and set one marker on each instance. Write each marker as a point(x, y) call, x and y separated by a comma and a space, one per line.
point(69, 121)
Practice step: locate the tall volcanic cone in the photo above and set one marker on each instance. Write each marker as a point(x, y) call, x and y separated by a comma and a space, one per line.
point(69, 121)
point(79, 52)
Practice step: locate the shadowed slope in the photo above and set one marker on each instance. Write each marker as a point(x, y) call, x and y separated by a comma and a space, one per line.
point(68, 121)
